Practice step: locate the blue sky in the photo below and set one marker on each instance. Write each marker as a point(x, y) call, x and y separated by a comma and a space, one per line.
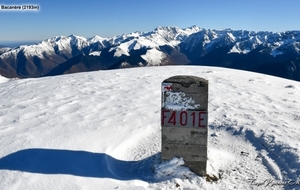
point(114, 17)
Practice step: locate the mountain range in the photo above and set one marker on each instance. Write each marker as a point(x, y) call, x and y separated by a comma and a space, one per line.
point(274, 53)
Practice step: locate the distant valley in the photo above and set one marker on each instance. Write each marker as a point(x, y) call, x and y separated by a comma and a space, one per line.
point(271, 53)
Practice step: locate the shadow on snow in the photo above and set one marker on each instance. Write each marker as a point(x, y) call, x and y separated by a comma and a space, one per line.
point(79, 163)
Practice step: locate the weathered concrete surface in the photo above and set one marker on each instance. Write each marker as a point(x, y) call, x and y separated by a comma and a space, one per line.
point(188, 136)
point(184, 121)
point(188, 152)
point(198, 168)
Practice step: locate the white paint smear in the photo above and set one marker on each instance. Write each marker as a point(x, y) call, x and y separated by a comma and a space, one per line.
point(179, 101)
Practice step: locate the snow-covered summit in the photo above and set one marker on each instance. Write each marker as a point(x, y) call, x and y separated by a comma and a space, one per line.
point(172, 35)
point(102, 129)
point(95, 39)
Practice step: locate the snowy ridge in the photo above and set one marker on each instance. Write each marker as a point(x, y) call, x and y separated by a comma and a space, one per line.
point(151, 41)
point(242, 41)
point(245, 41)
point(102, 129)
point(166, 45)
point(121, 45)
point(4, 49)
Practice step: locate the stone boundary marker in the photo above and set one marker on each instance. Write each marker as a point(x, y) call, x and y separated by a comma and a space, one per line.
point(184, 121)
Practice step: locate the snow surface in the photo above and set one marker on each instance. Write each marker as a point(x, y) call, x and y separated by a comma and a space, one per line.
point(95, 53)
point(153, 57)
point(101, 130)
point(3, 79)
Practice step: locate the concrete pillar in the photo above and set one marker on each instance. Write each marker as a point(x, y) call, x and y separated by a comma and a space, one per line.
point(184, 121)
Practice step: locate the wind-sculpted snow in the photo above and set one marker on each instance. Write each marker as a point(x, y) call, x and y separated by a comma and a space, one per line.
point(101, 130)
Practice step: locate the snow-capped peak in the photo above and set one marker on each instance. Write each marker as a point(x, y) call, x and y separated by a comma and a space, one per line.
point(95, 39)
point(191, 44)
point(192, 29)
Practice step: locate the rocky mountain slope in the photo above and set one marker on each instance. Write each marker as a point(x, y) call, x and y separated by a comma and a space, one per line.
point(266, 52)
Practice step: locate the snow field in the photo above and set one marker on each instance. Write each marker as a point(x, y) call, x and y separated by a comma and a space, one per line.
point(102, 130)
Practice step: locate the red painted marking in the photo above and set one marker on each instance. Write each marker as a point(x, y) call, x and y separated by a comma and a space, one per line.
point(183, 119)
point(168, 88)
point(173, 118)
point(194, 118)
point(163, 116)
point(200, 119)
